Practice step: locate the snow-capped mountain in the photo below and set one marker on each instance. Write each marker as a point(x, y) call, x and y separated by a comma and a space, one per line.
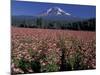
point(55, 11)
point(50, 15)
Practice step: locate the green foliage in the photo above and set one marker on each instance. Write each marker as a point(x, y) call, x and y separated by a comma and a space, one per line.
point(50, 68)
point(39, 22)
point(35, 65)
point(76, 61)
point(24, 65)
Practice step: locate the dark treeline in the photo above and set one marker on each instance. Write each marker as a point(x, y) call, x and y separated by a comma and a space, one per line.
point(88, 25)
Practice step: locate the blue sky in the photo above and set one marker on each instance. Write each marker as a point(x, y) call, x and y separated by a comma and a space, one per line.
point(35, 8)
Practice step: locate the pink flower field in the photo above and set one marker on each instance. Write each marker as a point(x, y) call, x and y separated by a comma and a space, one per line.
point(51, 50)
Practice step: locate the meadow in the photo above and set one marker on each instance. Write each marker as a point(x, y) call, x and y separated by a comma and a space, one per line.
point(51, 50)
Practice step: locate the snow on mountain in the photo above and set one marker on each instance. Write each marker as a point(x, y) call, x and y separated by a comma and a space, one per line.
point(55, 11)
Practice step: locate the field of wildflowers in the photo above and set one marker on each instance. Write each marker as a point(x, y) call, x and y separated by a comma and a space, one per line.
point(48, 50)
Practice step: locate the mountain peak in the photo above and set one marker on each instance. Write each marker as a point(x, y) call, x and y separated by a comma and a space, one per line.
point(55, 11)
